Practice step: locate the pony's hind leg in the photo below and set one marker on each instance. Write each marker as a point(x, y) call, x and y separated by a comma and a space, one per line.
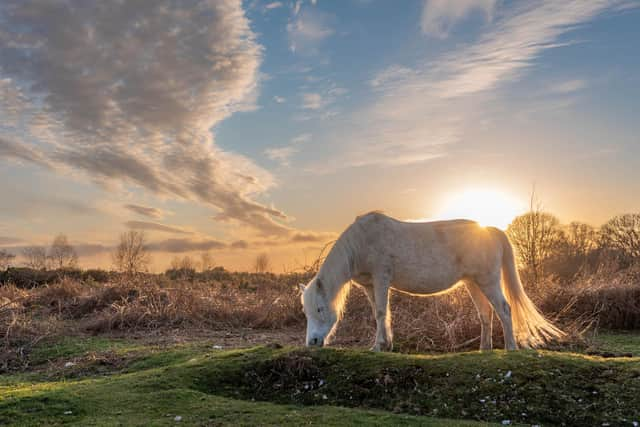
point(485, 313)
point(384, 336)
point(493, 291)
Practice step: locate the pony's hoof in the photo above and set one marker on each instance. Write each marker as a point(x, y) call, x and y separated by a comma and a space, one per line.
point(382, 347)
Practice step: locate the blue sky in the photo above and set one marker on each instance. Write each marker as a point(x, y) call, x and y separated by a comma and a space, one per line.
point(269, 125)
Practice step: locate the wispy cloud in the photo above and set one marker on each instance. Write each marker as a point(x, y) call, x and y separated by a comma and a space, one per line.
point(307, 28)
point(279, 99)
point(273, 5)
point(186, 245)
point(239, 244)
point(22, 152)
point(148, 211)
point(283, 154)
point(568, 86)
point(511, 46)
point(154, 226)
point(421, 111)
point(78, 95)
point(313, 101)
point(5, 240)
point(439, 16)
point(308, 237)
point(323, 99)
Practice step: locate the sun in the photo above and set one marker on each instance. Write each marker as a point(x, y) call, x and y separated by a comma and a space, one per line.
point(486, 206)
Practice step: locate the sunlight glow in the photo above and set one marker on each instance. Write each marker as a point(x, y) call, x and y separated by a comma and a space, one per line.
point(487, 207)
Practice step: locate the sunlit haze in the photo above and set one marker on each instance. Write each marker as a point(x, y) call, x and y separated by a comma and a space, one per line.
point(487, 207)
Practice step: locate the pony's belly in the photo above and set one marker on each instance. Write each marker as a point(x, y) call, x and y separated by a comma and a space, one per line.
point(424, 285)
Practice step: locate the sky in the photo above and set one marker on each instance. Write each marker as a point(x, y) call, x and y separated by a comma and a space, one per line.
point(248, 127)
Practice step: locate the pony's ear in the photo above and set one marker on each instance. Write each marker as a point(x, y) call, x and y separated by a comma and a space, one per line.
point(302, 287)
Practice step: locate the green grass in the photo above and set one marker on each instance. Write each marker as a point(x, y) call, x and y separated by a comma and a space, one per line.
point(151, 385)
point(70, 347)
point(618, 343)
point(159, 388)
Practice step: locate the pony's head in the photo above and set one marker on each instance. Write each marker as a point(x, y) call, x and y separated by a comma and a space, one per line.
point(319, 305)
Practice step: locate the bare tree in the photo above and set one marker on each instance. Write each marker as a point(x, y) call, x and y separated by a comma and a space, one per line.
point(5, 259)
point(622, 236)
point(62, 254)
point(175, 263)
point(184, 263)
point(535, 235)
point(182, 268)
point(581, 239)
point(187, 263)
point(262, 264)
point(35, 257)
point(206, 261)
point(131, 255)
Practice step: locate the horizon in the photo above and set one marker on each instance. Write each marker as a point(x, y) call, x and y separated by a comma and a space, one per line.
point(268, 126)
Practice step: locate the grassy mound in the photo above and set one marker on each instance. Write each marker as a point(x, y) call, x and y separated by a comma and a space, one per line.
point(102, 382)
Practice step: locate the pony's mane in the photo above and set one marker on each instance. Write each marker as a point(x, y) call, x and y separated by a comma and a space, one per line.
point(334, 277)
point(340, 301)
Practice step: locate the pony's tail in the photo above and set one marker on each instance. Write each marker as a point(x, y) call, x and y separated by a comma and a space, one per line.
point(531, 328)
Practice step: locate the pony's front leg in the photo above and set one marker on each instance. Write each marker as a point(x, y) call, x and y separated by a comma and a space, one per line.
point(384, 335)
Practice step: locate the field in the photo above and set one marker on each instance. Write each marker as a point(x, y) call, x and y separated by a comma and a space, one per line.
point(226, 350)
point(100, 381)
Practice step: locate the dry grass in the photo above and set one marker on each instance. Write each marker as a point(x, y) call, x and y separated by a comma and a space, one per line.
point(265, 301)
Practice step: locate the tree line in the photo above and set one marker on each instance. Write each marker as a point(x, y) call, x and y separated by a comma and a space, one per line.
point(131, 255)
point(60, 255)
point(545, 246)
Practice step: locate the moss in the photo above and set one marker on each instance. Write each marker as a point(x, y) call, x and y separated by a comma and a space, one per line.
point(69, 347)
point(153, 398)
point(280, 386)
point(617, 343)
point(526, 386)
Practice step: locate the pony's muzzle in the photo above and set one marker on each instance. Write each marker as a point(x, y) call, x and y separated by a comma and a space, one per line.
point(315, 342)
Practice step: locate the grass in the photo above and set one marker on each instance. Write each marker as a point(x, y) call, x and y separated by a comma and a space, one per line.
point(618, 343)
point(120, 382)
point(158, 386)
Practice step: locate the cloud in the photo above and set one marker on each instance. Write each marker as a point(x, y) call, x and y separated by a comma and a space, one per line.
point(307, 28)
point(283, 154)
point(147, 211)
point(320, 100)
point(240, 244)
point(312, 101)
point(568, 86)
point(439, 16)
point(273, 5)
point(21, 152)
point(83, 249)
point(25, 205)
point(185, 245)
point(512, 45)
point(312, 237)
point(4, 240)
point(154, 226)
point(420, 112)
point(279, 99)
point(90, 249)
point(128, 92)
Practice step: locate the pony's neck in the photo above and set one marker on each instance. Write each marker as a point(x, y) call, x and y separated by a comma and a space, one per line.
point(335, 273)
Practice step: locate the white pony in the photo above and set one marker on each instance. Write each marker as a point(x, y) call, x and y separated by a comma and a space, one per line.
point(423, 258)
